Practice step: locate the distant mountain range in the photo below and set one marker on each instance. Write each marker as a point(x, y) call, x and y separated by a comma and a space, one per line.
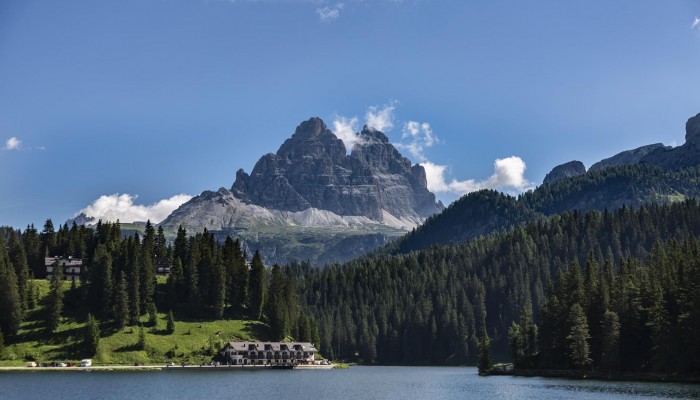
point(649, 174)
point(312, 200)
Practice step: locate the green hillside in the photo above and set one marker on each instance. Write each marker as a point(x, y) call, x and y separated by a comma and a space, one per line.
point(488, 211)
point(192, 341)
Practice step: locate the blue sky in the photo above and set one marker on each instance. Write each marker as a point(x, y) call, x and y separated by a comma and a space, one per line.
point(158, 98)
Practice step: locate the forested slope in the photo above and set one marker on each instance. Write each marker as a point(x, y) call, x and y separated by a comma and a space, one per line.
point(432, 305)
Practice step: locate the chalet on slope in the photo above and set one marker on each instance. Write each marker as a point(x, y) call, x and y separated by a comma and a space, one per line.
point(268, 353)
point(71, 267)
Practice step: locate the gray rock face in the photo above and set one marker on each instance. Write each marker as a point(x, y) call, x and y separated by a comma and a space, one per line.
point(563, 171)
point(679, 157)
point(629, 157)
point(312, 170)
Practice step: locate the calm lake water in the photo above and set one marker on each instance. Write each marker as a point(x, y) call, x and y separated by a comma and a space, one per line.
point(355, 383)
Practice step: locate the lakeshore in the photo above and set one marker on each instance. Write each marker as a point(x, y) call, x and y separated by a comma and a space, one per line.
point(596, 375)
point(161, 368)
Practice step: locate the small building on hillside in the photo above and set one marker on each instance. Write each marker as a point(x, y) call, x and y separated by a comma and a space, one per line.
point(268, 353)
point(71, 267)
point(162, 266)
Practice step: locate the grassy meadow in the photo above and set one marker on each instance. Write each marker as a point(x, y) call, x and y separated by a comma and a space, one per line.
point(192, 341)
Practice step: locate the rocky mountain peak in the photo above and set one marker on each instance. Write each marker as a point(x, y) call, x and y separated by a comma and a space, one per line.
point(679, 157)
point(312, 139)
point(563, 171)
point(312, 170)
point(692, 131)
point(369, 134)
point(628, 157)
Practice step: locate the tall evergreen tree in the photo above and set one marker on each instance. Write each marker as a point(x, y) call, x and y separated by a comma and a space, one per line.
point(35, 255)
point(10, 301)
point(578, 337)
point(485, 359)
point(610, 355)
point(18, 258)
point(121, 302)
point(134, 279)
point(54, 304)
point(170, 323)
point(175, 291)
point(147, 279)
point(256, 287)
point(141, 343)
point(275, 306)
point(48, 239)
point(101, 289)
point(91, 336)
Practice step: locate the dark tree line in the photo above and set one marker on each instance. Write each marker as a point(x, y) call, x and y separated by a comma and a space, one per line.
point(432, 305)
point(632, 315)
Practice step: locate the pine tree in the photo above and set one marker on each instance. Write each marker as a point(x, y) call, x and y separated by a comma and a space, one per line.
point(239, 280)
point(18, 258)
point(175, 283)
point(275, 306)
point(141, 344)
point(147, 279)
point(218, 290)
point(100, 288)
point(91, 336)
point(31, 295)
point(54, 304)
point(610, 343)
point(35, 255)
point(48, 238)
point(121, 303)
point(578, 337)
point(485, 360)
point(515, 337)
point(170, 323)
point(10, 302)
point(152, 315)
point(134, 277)
point(256, 287)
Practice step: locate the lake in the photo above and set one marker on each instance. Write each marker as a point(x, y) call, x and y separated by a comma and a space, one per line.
point(356, 383)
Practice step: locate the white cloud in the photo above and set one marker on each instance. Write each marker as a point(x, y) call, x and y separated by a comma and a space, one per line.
point(420, 136)
point(696, 23)
point(121, 207)
point(381, 118)
point(346, 130)
point(508, 175)
point(329, 13)
point(12, 144)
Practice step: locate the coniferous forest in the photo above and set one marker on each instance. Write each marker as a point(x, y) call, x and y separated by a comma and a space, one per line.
point(598, 289)
point(208, 280)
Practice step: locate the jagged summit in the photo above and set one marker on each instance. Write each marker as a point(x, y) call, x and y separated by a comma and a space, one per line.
point(563, 171)
point(313, 170)
point(628, 157)
point(682, 156)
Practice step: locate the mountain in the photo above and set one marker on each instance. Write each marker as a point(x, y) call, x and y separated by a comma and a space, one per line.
point(311, 200)
point(563, 171)
point(652, 174)
point(629, 157)
point(680, 157)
